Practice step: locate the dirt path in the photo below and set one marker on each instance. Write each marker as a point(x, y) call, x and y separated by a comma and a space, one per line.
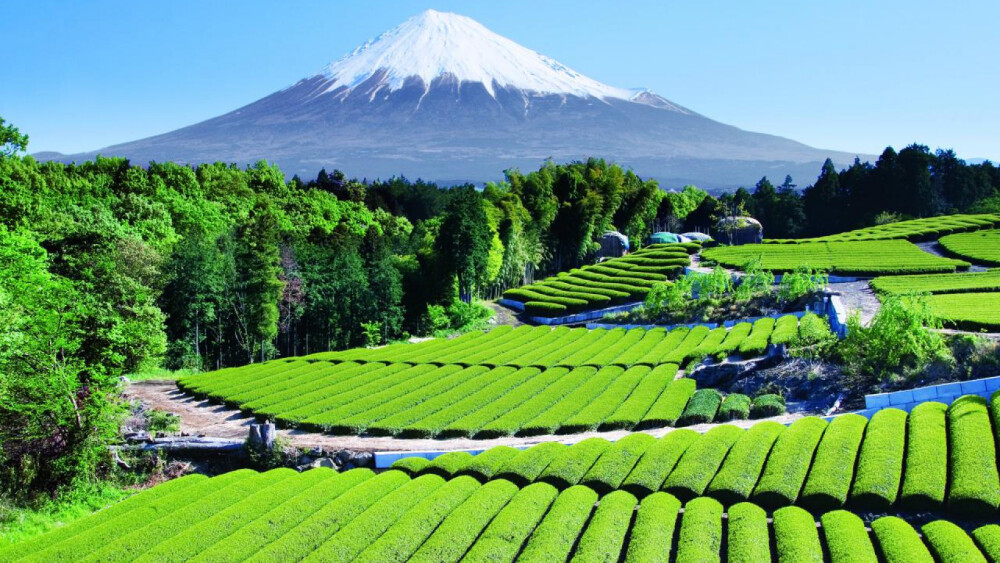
point(858, 296)
point(218, 421)
point(504, 315)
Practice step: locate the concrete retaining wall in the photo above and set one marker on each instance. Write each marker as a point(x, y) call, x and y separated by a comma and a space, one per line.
point(586, 315)
point(943, 393)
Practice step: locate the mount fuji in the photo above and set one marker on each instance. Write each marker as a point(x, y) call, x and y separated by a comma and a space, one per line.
point(442, 98)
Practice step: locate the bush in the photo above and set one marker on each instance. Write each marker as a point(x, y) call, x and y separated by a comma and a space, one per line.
point(322, 524)
point(898, 541)
point(988, 539)
point(670, 404)
point(485, 465)
point(925, 474)
point(617, 462)
point(786, 329)
point(701, 462)
point(463, 526)
point(788, 463)
point(573, 463)
point(801, 282)
point(411, 465)
point(503, 538)
point(701, 408)
point(406, 535)
point(658, 461)
point(733, 340)
point(847, 539)
point(974, 483)
point(256, 535)
point(749, 539)
point(556, 535)
point(744, 463)
point(447, 465)
point(544, 309)
point(633, 409)
point(900, 339)
point(527, 465)
point(604, 536)
point(756, 344)
point(880, 464)
point(948, 542)
point(700, 538)
point(734, 407)
point(795, 536)
point(830, 477)
point(653, 533)
point(767, 405)
point(355, 535)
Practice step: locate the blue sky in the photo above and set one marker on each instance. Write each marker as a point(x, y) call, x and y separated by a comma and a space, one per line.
point(848, 75)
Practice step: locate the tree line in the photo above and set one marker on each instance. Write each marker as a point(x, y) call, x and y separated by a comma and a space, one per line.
point(912, 183)
point(108, 268)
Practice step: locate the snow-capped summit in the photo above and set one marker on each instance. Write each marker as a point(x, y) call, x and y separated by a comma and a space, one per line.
point(441, 97)
point(433, 44)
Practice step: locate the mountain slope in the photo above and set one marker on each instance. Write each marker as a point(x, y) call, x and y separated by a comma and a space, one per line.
point(443, 98)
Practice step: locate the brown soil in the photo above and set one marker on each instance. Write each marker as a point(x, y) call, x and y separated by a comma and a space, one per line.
point(218, 421)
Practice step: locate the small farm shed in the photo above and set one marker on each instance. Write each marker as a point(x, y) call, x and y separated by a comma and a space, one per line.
point(739, 230)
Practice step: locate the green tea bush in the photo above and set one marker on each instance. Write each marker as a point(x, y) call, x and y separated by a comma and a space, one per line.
point(767, 405)
point(700, 537)
point(795, 535)
point(652, 534)
point(734, 407)
point(925, 475)
point(847, 540)
point(880, 463)
point(555, 536)
point(898, 541)
point(701, 408)
point(748, 539)
point(948, 542)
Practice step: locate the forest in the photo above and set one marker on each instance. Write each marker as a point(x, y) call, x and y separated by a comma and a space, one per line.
point(108, 268)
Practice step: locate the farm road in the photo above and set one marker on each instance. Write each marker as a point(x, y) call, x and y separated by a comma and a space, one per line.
point(218, 421)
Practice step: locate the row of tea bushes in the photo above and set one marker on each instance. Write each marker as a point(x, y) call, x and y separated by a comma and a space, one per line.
point(935, 458)
point(321, 515)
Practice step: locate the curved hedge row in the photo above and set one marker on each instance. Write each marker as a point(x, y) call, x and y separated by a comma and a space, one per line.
point(631, 275)
point(871, 258)
point(527, 380)
point(321, 515)
point(929, 228)
point(979, 246)
point(850, 462)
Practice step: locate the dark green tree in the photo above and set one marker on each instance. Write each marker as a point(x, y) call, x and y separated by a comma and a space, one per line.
point(463, 241)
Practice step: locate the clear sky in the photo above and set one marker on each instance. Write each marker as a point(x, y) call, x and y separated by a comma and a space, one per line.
point(848, 75)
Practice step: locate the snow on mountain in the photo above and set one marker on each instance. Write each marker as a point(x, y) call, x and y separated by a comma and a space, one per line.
point(432, 44)
point(442, 98)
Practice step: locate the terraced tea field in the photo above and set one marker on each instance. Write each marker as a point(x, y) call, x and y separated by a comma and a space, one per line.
point(936, 458)
point(968, 311)
point(527, 381)
point(930, 228)
point(321, 515)
point(612, 282)
point(868, 258)
point(965, 282)
point(981, 246)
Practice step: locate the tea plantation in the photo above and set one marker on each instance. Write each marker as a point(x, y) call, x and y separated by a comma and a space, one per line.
point(525, 380)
